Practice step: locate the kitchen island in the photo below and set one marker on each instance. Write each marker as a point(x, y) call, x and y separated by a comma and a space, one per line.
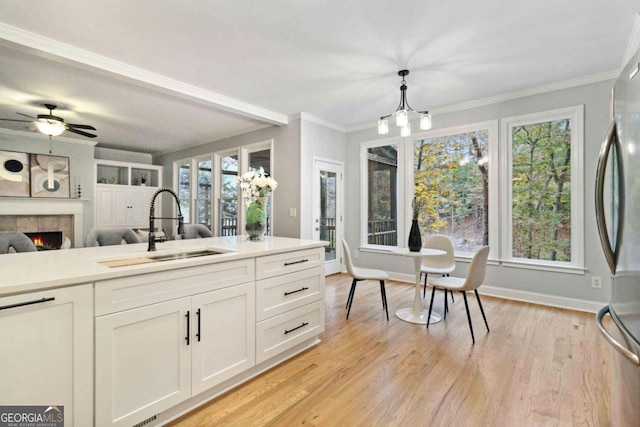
point(148, 336)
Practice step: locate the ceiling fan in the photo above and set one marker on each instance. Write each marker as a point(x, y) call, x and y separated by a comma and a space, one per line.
point(53, 125)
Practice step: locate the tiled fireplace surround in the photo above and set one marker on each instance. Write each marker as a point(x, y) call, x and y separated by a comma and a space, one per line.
point(37, 215)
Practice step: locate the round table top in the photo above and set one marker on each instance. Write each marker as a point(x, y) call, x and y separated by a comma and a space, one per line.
point(423, 252)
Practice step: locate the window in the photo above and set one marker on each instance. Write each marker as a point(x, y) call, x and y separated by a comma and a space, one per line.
point(228, 219)
point(451, 187)
point(183, 173)
point(382, 196)
point(543, 198)
point(203, 209)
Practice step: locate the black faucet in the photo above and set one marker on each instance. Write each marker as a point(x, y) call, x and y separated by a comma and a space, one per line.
point(152, 218)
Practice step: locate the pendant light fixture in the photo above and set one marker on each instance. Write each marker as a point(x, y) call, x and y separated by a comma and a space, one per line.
point(402, 113)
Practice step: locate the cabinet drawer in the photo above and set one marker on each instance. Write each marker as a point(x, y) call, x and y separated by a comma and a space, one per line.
point(283, 293)
point(289, 262)
point(136, 291)
point(282, 332)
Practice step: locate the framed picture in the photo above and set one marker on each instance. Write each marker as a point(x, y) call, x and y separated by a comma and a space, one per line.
point(50, 176)
point(14, 174)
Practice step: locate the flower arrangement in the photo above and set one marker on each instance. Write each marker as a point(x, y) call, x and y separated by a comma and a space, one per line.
point(255, 185)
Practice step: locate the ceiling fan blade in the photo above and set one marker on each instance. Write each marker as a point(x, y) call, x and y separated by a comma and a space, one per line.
point(71, 125)
point(13, 120)
point(26, 115)
point(79, 132)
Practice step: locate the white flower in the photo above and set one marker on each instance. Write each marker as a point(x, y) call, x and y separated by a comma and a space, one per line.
point(255, 185)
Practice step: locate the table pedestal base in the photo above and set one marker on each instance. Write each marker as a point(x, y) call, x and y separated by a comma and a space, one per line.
point(420, 318)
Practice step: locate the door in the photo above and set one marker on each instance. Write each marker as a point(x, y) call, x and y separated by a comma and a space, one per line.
point(142, 362)
point(223, 335)
point(327, 218)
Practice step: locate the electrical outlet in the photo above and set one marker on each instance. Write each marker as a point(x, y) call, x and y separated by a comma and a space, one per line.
point(292, 212)
point(596, 282)
point(356, 254)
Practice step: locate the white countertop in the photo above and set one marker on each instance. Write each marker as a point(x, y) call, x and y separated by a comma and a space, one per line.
point(32, 271)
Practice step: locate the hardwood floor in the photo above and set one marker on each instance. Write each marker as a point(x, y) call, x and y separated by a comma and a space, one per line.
point(537, 366)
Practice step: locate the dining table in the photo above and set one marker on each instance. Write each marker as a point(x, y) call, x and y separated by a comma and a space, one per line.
point(417, 313)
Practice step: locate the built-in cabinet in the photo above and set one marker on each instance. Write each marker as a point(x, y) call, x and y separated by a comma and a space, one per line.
point(170, 336)
point(46, 351)
point(123, 193)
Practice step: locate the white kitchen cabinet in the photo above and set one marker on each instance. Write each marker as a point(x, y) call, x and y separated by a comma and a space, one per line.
point(46, 351)
point(155, 356)
point(121, 200)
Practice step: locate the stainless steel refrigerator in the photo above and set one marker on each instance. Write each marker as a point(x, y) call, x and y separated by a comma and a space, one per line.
point(618, 217)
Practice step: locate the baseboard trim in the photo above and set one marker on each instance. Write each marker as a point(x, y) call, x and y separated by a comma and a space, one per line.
point(524, 296)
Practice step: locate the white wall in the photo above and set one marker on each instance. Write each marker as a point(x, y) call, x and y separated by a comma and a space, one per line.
point(286, 170)
point(318, 141)
point(558, 288)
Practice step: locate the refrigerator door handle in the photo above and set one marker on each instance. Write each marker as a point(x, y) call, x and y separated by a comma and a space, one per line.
point(611, 139)
point(629, 355)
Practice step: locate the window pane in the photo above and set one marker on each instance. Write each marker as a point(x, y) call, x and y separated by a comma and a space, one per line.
point(260, 159)
point(451, 188)
point(328, 212)
point(541, 198)
point(382, 198)
point(184, 178)
point(204, 179)
point(228, 221)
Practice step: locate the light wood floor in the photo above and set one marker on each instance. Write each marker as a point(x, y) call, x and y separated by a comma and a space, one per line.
point(537, 366)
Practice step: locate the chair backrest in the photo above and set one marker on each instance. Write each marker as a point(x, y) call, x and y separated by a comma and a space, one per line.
point(444, 243)
point(111, 236)
point(347, 257)
point(20, 242)
point(477, 269)
point(194, 231)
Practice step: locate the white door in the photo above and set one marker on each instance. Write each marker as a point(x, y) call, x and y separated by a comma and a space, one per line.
point(327, 217)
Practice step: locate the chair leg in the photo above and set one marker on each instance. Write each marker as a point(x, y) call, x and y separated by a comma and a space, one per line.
point(446, 306)
point(481, 310)
point(433, 293)
point(351, 294)
point(451, 291)
point(383, 293)
point(466, 305)
point(424, 292)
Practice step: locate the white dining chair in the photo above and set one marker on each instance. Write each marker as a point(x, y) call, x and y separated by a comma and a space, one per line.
point(475, 278)
point(438, 264)
point(360, 274)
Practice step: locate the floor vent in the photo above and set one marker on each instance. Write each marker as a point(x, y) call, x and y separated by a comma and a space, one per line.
point(145, 422)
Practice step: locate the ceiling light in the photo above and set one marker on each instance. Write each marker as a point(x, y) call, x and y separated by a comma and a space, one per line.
point(50, 125)
point(402, 113)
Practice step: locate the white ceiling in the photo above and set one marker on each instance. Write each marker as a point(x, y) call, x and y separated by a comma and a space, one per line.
point(160, 76)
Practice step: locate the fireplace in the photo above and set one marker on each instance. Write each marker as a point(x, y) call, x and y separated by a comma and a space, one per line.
point(46, 240)
point(44, 215)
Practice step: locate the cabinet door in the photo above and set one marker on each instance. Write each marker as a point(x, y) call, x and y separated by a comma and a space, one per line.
point(142, 362)
point(112, 206)
point(224, 335)
point(46, 351)
point(139, 204)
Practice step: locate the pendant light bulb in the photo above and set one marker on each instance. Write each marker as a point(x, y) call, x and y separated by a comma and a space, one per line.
point(402, 118)
point(383, 127)
point(405, 130)
point(425, 121)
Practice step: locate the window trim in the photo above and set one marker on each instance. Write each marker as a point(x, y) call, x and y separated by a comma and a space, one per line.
point(217, 171)
point(576, 115)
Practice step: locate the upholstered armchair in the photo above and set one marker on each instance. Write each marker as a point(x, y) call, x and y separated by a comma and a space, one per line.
point(18, 241)
point(111, 236)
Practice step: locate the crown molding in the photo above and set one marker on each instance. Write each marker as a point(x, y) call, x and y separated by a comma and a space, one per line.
point(317, 120)
point(567, 84)
point(61, 52)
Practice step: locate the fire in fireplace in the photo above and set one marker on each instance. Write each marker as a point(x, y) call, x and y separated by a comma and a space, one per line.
point(46, 240)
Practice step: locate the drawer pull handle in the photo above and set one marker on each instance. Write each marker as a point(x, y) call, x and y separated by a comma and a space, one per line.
point(188, 322)
point(297, 327)
point(22, 304)
point(297, 290)
point(295, 262)
point(198, 333)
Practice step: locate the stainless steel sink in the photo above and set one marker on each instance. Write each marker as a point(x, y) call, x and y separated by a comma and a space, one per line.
point(183, 255)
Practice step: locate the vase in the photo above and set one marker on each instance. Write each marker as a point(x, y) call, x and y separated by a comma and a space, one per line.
point(256, 219)
point(415, 240)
